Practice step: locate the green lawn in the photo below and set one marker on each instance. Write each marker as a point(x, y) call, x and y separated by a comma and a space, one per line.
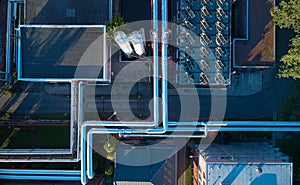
point(41, 137)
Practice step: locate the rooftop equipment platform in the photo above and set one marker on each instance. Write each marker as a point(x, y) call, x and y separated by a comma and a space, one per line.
point(204, 41)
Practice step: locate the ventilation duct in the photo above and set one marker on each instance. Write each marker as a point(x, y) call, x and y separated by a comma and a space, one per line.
point(204, 25)
point(204, 12)
point(204, 52)
point(123, 42)
point(220, 26)
point(203, 65)
point(220, 39)
point(204, 39)
point(137, 41)
point(219, 52)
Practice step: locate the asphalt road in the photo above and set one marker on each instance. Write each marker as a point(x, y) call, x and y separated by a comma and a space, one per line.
point(237, 108)
point(35, 101)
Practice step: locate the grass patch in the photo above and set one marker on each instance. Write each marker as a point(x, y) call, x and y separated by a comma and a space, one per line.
point(41, 137)
point(188, 167)
point(188, 172)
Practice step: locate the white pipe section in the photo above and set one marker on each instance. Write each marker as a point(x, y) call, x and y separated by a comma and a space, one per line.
point(8, 29)
point(238, 123)
point(30, 177)
point(136, 39)
point(38, 172)
point(90, 172)
point(255, 129)
point(84, 142)
point(155, 121)
point(164, 79)
point(253, 123)
point(123, 41)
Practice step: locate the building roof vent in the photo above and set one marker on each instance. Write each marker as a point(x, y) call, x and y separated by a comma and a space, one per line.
point(205, 12)
point(219, 52)
point(204, 25)
point(137, 40)
point(188, 24)
point(190, 38)
point(123, 42)
point(204, 52)
point(219, 65)
point(220, 39)
point(204, 39)
point(203, 78)
point(220, 13)
point(206, 2)
point(204, 64)
point(191, 13)
point(220, 26)
point(258, 170)
point(221, 2)
point(219, 78)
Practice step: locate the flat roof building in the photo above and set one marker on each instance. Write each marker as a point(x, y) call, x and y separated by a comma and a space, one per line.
point(72, 12)
point(63, 40)
point(238, 163)
point(145, 165)
point(61, 52)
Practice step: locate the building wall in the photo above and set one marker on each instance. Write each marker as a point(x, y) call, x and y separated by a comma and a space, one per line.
point(195, 167)
point(202, 171)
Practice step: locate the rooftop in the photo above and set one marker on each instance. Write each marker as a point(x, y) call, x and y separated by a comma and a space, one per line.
point(251, 151)
point(93, 12)
point(253, 162)
point(58, 52)
point(204, 41)
point(145, 165)
point(257, 47)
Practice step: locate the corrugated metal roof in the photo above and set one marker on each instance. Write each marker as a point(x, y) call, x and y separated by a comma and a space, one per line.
point(254, 163)
point(243, 151)
point(247, 173)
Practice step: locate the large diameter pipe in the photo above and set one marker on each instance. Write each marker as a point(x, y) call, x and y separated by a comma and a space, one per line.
point(156, 112)
point(254, 129)
point(155, 14)
point(90, 171)
point(123, 42)
point(253, 123)
point(8, 47)
point(238, 123)
point(153, 123)
point(38, 172)
point(221, 129)
point(43, 178)
point(137, 41)
point(162, 130)
point(164, 81)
